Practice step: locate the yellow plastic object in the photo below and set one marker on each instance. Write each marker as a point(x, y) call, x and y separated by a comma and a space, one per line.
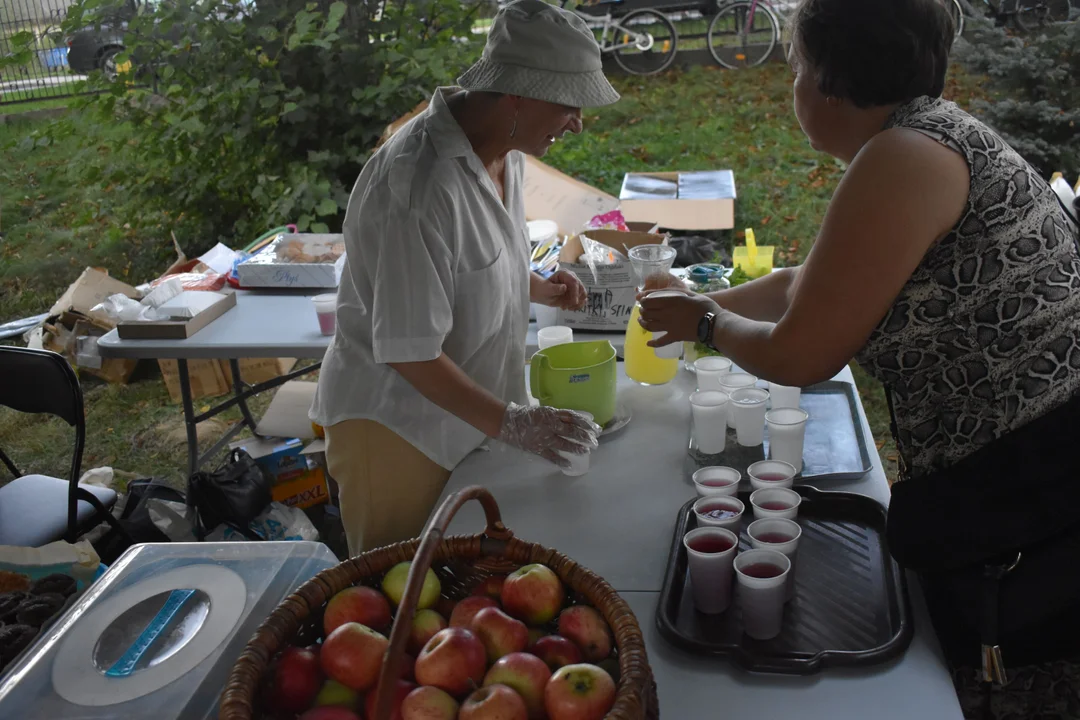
point(318, 430)
point(640, 361)
point(755, 260)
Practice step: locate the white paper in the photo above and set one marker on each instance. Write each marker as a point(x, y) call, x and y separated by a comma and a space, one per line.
point(189, 303)
point(219, 258)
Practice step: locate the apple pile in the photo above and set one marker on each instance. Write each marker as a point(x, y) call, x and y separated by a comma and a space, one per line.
point(491, 656)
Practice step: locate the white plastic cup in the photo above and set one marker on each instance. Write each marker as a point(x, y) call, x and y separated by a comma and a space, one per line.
point(771, 474)
point(674, 350)
point(784, 396)
point(709, 370)
point(579, 463)
point(554, 335)
point(787, 430)
point(762, 598)
point(748, 410)
point(710, 411)
point(717, 480)
point(326, 310)
point(711, 572)
point(732, 381)
point(731, 506)
point(767, 534)
point(775, 503)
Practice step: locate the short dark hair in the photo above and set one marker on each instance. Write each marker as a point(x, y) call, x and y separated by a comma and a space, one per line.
point(875, 52)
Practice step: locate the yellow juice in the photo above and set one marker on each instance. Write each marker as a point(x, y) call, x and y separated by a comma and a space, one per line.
point(641, 362)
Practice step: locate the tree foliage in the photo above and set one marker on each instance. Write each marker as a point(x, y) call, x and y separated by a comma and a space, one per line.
point(248, 115)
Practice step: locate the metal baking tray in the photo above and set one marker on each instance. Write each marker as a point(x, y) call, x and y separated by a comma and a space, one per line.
point(851, 605)
point(834, 447)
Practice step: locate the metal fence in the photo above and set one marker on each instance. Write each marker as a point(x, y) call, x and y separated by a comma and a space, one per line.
point(46, 75)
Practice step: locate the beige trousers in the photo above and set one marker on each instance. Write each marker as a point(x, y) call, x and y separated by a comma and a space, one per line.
point(386, 487)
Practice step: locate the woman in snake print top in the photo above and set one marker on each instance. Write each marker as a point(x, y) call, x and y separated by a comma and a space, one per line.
point(985, 336)
point(947, 268)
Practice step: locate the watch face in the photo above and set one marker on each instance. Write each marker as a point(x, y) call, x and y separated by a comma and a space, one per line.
point(703, 329)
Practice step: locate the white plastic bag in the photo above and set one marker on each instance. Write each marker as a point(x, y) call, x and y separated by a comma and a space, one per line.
point(278, 522)
point(120, 308)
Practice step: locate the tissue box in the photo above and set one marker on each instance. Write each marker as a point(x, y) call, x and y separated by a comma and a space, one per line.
point(178, 329)
point(295, 261)
point(612, 292)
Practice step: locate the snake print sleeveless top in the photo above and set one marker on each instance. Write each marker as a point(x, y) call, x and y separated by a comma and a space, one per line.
point(985, 335)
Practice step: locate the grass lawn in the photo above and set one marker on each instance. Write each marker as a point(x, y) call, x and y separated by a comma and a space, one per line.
point(703, 118)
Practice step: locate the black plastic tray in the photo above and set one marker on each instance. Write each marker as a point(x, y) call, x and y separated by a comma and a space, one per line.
point(851, 606)
point(835, 445)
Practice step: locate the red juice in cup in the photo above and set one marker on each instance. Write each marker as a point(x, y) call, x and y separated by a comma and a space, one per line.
point(710, 543)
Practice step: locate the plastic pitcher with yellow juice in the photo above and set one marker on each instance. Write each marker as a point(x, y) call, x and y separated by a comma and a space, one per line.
point(641, 362)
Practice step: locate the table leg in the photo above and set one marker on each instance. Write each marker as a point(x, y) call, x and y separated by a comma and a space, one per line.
point(241, 398)
point(190, 423)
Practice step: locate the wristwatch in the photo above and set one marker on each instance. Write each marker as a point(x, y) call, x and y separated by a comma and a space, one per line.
point(705, 329)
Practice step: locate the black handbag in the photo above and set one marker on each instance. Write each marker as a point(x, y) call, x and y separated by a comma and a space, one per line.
point(234, 494)
point(996, 540)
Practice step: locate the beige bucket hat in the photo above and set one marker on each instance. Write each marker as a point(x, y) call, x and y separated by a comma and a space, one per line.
point(539, 51)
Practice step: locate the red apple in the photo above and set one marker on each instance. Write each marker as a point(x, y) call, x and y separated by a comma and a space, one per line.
point(401, 690)
point(329, 713)
point(491, 587)
point(556, 651)
point(535, 634)
point(533, 594)
point(362, 605)
point(500, 633)
point(429, 703)
point(424, 626)
point(454, 660)
point(579, 692)
point(353, 655)
point(495, 702)
point(466, 610)
point(297, 680)
point(525, 674)
point(587, 629)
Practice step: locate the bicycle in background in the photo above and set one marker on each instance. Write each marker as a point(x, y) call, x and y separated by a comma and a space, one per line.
point(744, 33)
point(1025, 15)
point(642, 42)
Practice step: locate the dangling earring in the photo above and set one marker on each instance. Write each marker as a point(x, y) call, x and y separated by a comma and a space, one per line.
point(833, 101)
point(513, 130)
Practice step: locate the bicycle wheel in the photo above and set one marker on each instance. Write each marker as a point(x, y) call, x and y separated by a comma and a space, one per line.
point(956, 12)
point(645, 42)
point(1034, 14)
point(743, 34)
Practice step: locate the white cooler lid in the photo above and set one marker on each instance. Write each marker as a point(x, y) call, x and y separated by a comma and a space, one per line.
point(84, 667)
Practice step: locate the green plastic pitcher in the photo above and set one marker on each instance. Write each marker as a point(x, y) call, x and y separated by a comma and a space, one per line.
point(576, 376)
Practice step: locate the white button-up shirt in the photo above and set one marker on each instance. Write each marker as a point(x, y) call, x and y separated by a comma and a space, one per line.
point(435, 264)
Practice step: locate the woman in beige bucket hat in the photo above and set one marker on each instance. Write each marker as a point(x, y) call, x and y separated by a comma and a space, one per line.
point(433, 308)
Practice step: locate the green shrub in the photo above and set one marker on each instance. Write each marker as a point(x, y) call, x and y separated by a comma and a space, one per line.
point(1040, 76)
point(245, 116)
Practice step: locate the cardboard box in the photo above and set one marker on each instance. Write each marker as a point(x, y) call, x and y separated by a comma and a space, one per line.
point(91, 288)
point(212, 378)
point(177, 329)
point(267, 269)
point(680, 200)
point(612, 291)
point(74, 336)
point(205, 376)
point(307, 490)
point(257, 370)
point(552, 195)
point(281, 458)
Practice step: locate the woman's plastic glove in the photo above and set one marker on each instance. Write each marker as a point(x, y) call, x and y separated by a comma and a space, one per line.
point(545, 431)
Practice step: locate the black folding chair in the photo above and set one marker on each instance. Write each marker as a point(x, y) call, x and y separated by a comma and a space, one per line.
point(38, 509)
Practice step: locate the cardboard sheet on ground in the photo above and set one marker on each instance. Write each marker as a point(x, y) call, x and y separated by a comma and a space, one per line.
point(287, 416)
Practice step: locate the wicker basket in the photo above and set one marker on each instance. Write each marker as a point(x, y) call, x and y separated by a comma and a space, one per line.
point(460, 562)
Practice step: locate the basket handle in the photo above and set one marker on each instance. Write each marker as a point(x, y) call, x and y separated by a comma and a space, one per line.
point(433, 536)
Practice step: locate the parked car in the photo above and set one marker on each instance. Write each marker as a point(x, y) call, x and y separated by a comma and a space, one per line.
point(96, 46)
